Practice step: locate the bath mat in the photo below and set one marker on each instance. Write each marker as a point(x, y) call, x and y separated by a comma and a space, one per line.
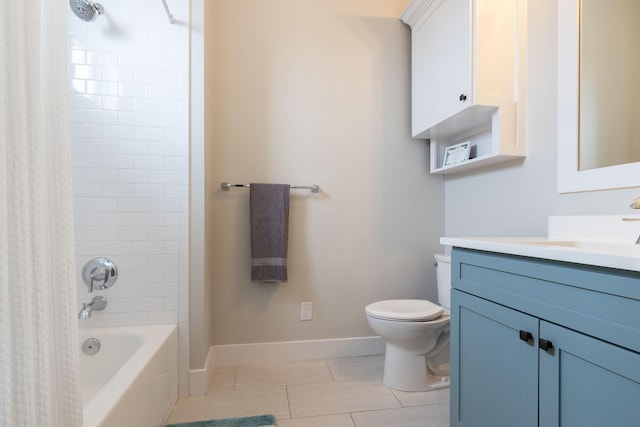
point(257, 421)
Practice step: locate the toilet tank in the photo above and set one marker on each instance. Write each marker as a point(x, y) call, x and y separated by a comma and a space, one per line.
point(443, 271)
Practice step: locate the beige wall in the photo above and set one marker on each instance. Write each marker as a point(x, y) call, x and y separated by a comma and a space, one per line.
point(315, 92)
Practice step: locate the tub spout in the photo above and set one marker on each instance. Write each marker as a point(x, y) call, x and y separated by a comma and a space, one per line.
point(97, 303)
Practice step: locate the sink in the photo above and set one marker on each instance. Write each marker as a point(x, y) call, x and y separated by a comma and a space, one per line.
point(590, 246)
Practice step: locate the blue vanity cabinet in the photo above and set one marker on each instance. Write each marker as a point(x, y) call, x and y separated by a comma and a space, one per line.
point(543, 343)
point(495, 371)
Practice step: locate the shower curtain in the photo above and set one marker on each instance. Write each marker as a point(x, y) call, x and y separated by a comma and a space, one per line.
point(39, 380)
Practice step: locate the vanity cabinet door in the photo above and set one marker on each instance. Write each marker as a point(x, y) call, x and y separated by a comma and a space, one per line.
point(441, 69)
point(494, 364)
point(587, 382)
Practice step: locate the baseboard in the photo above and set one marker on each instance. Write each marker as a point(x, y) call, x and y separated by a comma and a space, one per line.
point(199, 379)
point(294, 351)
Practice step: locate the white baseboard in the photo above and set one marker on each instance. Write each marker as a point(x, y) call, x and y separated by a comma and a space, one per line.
point(278, 352)
point(294, 351)
point(199, 379)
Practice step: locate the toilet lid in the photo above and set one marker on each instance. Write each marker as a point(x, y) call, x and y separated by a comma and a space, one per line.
point(404, 309)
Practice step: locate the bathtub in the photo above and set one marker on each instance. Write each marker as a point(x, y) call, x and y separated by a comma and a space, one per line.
point(133, 379)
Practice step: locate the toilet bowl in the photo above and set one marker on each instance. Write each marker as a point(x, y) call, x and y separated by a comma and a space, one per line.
point(416, 336)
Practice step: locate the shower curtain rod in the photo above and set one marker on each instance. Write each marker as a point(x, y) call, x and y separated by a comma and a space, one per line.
point(314, 188)
point(169, 15)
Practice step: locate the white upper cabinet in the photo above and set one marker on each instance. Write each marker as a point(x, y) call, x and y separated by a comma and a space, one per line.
point(468, 78)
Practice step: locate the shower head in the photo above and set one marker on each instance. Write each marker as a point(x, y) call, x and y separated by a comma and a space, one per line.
point(86, 10)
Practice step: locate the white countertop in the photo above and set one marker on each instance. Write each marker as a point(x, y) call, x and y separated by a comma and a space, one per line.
point(604, 254)
point(601, 240)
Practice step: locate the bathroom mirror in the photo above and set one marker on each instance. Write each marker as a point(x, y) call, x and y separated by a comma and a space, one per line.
point(598, 88)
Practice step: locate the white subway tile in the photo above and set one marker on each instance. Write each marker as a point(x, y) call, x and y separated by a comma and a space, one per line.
point(86, 72)
point(163, 317)
point(148, 304)
point(101, 117)
point(164, 205)
point(163, 261)
point(86, 248)
point(150, 162)
point(164, 233)
point(118, 103)
point(84, 189)
point(82, 101)
point(133, 233)
point(148, 134)
point(133, 61)
point(148, 247)
point(135, 90)
point(133, 290)
point(101, 204)
point(149, 76)
point(131, 118)
point(163, 120)
point(118, 218)
point(118, 161)
point(133, 147)
point(150, 275)
point(133, 318)
point(164, 289)
point(102, 88)
point(78, 56)
point(122, 247)
point(150, 219)
point(121, 305)
point(102, 146)
point(112, 74)
point(86, 130)
point(133, 176)
point(100, 174)
point(102, 233)
point(117, 190)
point(133, 204)
point(148, 190)
point(87, 218)
point(79, 85)
point(148, 105)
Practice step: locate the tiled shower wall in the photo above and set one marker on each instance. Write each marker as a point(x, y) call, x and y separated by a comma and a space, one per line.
point(129, 93)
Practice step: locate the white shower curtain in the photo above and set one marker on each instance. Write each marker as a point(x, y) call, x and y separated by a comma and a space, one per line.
point(39, 381)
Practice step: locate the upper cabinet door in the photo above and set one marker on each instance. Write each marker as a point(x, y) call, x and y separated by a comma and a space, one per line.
point(441, 64)
point(468, 77)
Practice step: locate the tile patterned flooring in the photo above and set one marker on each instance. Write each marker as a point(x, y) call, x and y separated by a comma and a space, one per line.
point(320, 393)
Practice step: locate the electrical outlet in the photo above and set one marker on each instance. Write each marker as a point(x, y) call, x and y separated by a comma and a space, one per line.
point(306, 311)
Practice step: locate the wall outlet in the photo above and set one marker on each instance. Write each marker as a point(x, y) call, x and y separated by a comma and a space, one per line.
point(306, 311)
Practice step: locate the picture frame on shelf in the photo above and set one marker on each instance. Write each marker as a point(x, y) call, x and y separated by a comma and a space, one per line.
point(456, 154)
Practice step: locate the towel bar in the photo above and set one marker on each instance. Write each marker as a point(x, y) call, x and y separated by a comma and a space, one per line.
point(314, 188)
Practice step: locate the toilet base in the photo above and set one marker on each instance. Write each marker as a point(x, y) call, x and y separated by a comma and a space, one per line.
point(407, 371)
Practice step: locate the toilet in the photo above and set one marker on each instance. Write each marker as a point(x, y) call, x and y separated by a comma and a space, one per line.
point(416, 336)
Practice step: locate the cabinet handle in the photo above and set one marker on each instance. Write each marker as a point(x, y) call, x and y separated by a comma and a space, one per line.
point(526, 336)
point(463, 97)
point(545, 345)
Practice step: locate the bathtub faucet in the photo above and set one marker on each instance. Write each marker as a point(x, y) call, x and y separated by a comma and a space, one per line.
point(97, 303)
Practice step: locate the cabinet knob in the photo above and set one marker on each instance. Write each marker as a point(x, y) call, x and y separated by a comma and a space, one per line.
point(463, 97)
point(526, 336)
point(545, 345)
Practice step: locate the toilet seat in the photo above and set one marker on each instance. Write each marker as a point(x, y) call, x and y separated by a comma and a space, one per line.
point(404, 310)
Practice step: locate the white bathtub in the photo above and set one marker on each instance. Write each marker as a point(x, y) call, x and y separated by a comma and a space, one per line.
point(133, 379)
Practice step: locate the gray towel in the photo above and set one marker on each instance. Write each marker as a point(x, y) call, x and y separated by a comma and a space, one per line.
point(269, 232)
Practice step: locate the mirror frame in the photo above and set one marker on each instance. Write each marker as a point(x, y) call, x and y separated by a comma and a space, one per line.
point(570, 178)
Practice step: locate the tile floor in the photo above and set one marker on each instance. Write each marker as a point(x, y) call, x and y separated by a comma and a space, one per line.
point(321, 393)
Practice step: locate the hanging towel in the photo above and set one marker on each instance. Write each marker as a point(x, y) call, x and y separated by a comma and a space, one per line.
point(269, 232)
